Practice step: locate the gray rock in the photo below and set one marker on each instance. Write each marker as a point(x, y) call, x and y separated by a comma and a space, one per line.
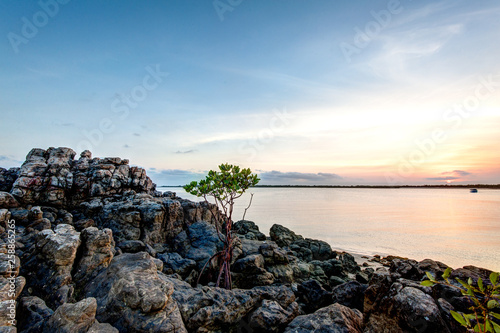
point(132, 297)
point(173, 263)
point(248, 229)
point(7, 200)
point(282, 235)
point(335, 318)
point(311, 249)
point(32, 314)
point(350, 294)
point(7, 178)
point(273, 255)
point(132, 246)
point(272, 317)
point(313, 296)
point(73, 318)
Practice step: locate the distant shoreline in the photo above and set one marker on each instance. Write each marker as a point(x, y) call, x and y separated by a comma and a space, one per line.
point(478, 186)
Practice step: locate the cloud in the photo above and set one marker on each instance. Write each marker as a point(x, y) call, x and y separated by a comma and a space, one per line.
point(451, 175)
point(9, 161)
point(174, 176)
point(137, 134)
point(186, 152)
point(126, 146)
point(291, 178)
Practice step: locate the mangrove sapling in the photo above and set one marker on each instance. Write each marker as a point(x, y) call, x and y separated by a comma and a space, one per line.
point(224, 186)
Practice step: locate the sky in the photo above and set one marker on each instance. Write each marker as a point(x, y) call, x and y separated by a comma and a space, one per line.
point(302, 92)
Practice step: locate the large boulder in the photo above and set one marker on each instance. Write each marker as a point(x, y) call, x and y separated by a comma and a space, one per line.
point(32, 314)
point(8, 201)
point(282, 235)
point(335, 318)
point(132, 297)
point(249, 230)
point(401, 305)
point(73, 318)
point(311, 249)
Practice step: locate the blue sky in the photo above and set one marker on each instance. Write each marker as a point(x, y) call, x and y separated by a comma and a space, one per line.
point(302, 92)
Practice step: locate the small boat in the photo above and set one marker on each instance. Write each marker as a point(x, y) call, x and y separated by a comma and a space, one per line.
point(473, 190)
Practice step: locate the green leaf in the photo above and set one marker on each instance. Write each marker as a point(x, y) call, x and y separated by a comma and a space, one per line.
point(496, 315)
point(447, 273)
point(458, 317)
point(427, 283)
point(469, 282)
point(492, 304)
point(430, 276)
point(494, 278)
point(480, 284)
point(463, 283)
point(496, 327)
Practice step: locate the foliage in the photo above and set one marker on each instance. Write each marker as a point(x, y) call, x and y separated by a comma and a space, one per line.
point(224, 186)
point(485, 300)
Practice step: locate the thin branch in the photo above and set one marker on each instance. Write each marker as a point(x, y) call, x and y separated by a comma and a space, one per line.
point(249, 204)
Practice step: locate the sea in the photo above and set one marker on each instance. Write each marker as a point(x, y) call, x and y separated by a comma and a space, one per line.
point(450, 225)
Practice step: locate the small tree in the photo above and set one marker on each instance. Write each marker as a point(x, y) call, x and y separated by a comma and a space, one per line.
point(224, 186)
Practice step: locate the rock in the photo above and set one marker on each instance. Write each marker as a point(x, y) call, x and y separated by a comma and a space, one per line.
point(408, 269)
point(102, 328)
point(248, 229)
point(48, 270)
point(335, 281)
point(272, 254)
point(249, 272)
point(313, 296)
point(73, 318)
point(311, 249)
point(282, 235)
point(398, 304)
point(132, 246)
point(7, 178)
point(212, 309)
point(32, 314)
point(54, 178)
point(349, 264)
point(435, 267)
point(350, 294)
point(132, 297)
point(331, 267)
point(272, 317)
point(9, 266)
point(173, 263)
point(282, 273)
point(335, 318)
point(199, 242)
point(8, 201)
point(84, 223)
point(96, 254)
point(11, 287)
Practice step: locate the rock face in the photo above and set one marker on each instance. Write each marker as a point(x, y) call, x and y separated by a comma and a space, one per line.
point(53, 177)
point(7, 178)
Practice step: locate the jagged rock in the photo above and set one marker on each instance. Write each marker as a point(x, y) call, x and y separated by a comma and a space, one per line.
point(249, 272)
point(198, 242)
point(102, 328)
point(408, 269)
point(173, 263)
point(335, 318)
point(73, 318)
point(282, 273)
point(272, 317)
point(7, 178)
point(332, 267)
point(132, 297)
point(313, 296)
point(282, 235)
point(248, 229)
point(33, 314)
point(6, 285)
point(7, 200)
point(435, 267)
point(350, 294)
point(52, 177)
point(48, 270)
point(132, 246)
point(273, 255)
point(96, 254)
point(311, 249)
point(9, 266)
point(349, 264)
point(399, 305)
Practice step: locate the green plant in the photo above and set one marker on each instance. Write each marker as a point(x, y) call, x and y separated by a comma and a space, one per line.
point(224, 186)
point(485, 299)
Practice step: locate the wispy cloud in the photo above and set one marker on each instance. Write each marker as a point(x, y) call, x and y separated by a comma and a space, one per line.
point(291, 178)
point(451, 175)
point(186, 151)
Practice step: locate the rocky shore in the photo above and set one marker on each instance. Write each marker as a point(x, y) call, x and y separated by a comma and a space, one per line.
point(89, 245)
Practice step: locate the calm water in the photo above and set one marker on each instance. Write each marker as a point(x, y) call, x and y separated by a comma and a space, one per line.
point(450, 225)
